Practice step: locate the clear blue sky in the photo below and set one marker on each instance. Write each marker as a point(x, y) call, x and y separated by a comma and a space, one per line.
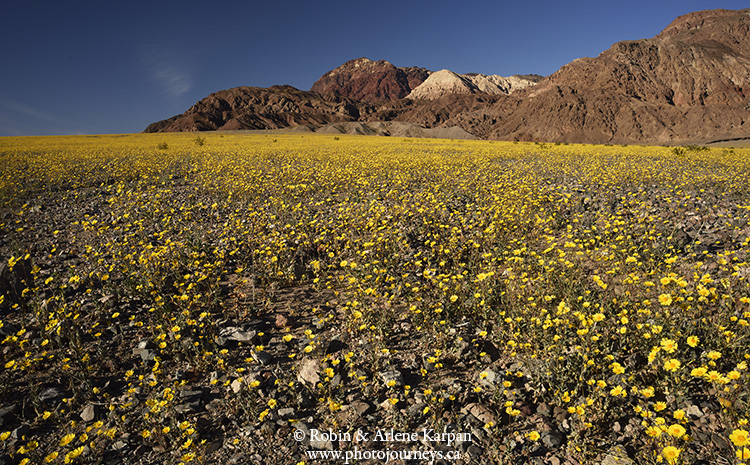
point(73, 67)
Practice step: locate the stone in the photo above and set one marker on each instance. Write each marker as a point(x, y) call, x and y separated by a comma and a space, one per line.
point(282, 321)
point(120, 446)
point(287, 413)
point(51, 395)
point(481, 413)
point(544, 410)
point(617, 456)
point(309, 373)
point(361, 407)
point(262, 357)
point(236, 385)
point(415, 411)
point(89, 413)
point(146, 355)
point(552, 439)
point(694, 412)
point(20, 432)
point(232, 333)
point(392, 378)
point(387, 405)
point(487, 378)
point(490, 351)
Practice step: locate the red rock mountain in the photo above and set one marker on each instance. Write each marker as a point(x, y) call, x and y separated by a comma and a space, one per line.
point(690, 83)
point(370, 81)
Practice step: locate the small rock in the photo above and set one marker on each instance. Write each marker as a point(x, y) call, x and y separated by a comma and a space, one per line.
point(239, 458)
point(20, 432)
point(480, 412)
point(335, 345)
point(146, 355)
point(309, 372)
point(286, 413)
point(214, 447)
point(321, 445)
point(387, 405)
point(262, 357)
point(552, 439)
point(236, 385)
point(487, 378)
point(14, 280)
point(478, 435)
point(233, 333)
point(305, 400)
point(281, 321)
point(560, 414)
point(474, 451)
point(415, 411)
point(617, 456)
point(392, 378)
point(361, 407)
point(694, 412)
point(544, 410)
point(303, 431)
point(89, 413)
point(463, 349)
point(191, 396)
point(120, 445)
point(51, 395)
point(188, 408)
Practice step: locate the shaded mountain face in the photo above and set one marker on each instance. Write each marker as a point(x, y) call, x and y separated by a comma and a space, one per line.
point(370, 81)
point(259, 108)
point(690, 83)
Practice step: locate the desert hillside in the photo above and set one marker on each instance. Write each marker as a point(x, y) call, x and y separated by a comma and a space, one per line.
point(690, 83)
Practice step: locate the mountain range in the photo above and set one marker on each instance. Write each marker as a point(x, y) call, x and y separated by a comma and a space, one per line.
point(690, 83)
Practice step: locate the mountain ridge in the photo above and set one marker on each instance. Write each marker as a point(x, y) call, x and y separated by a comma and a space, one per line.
point(690, 82)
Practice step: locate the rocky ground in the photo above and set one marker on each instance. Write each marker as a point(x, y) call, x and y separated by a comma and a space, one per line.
point(285, 362)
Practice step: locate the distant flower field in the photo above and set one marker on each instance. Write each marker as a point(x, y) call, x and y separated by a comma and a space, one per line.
point(173, 298)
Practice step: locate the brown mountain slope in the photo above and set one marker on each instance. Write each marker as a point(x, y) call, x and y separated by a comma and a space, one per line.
point(260, 108)
point(370, 81)
point(691, 82)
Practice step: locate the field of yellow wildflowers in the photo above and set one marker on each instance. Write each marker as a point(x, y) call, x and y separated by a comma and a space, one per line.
point(173, 298)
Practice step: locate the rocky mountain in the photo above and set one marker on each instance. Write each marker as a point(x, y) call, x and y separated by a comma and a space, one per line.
point(261, 108)
point(690, 83)
point(370, 81)
point(446, 82)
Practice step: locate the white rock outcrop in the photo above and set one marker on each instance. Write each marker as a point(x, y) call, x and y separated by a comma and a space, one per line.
point(446, 82)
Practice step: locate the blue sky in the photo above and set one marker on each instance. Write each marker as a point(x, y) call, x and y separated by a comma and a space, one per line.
point(115, 67)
